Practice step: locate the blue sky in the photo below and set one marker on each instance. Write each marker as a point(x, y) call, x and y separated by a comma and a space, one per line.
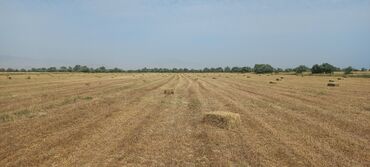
point(184, 33)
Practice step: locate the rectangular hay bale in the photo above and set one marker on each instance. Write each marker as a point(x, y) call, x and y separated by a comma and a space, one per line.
point(332, 84)
point(222, 119)
point(169, 92)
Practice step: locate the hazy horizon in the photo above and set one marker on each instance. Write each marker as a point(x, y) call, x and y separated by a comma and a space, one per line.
point(184, 34)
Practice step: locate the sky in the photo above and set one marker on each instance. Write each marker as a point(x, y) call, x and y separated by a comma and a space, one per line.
point(133, 34)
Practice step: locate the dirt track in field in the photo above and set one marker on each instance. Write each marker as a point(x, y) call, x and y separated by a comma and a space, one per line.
point(126, 120)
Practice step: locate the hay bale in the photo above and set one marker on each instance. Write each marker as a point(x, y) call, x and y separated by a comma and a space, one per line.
point(248, 77)
point(277, 79)
point(339, 78)
point(331, 80)
point(169, 92)
point(272, 82)
point(214, 78)
point(29, 77)
point(332, 84)
point(9, 77)
point(281, 77)
point(222, 119)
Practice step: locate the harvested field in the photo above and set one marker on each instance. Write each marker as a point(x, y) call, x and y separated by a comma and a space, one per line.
point(75, 119)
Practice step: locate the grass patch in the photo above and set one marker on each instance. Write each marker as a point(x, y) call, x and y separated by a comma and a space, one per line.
point(5, 118)
point(75, 99)
point(25, 113)
point(86, 98)
point(194, 104)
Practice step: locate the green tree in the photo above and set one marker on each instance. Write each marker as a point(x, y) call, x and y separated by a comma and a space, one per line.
point(301, 69)
point(263, 68)
point(51, 69)
point(246, 69)
point(316, 69)
point(227, 69)
point(236, 69)
point(348, 70)
point(63, 69)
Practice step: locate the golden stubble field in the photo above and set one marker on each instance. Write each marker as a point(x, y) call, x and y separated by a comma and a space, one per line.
point(74, 119)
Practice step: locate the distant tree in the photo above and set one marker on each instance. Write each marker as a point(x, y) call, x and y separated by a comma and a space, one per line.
point(84, 69)
point(363, 69)
point(328, 68)
point(70, 69)
point(324, 68)
point(348, 70)
point(279, 70)
point(316, 69)
point(219, 69)
point(10, 70)
point(246, 69)
point(263, 68)
point(301, 69)
point(2, 69)
point(288, 70)
point(63, 69)
point(227, 69)
point(206, 69)
point(236, 69)
point(77, 68)
point(23, 70)
point(101, 69)
point(51, 69)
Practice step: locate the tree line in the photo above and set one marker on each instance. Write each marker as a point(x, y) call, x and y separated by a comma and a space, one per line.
point(258, 68)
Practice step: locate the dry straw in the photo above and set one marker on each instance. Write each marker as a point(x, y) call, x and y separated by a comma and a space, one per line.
point(332, 84)
point(169, 92)
point(222, 119)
